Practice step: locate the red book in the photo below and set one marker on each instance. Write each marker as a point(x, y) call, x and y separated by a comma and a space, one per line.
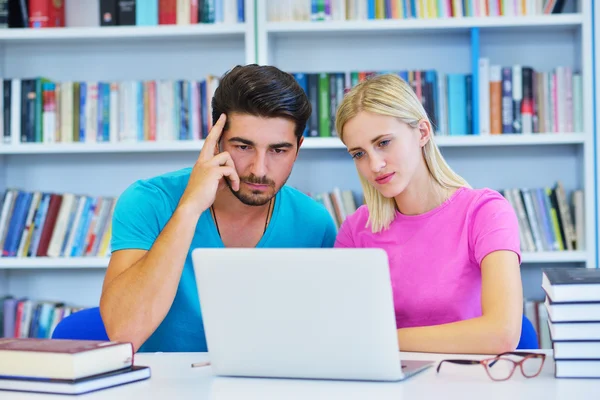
point(56, 13)
point(50, 222)
point(39, 13)
point(167, 12)
point(194, 11)
point(62, 359)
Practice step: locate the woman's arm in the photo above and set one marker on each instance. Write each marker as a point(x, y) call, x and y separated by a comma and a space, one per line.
point(496, 331)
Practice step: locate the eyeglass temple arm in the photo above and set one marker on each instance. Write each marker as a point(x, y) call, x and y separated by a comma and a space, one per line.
point(463, 362)
point(521, 353)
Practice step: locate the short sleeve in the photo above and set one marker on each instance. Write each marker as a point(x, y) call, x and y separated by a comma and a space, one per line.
point(494, 226)
point(330, 231)
point(140, 214)
point(344, 236)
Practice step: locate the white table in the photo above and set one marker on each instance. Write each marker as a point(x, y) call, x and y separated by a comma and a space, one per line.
point(174, 379)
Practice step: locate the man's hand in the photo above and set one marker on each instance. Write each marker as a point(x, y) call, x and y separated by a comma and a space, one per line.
point(208, 172)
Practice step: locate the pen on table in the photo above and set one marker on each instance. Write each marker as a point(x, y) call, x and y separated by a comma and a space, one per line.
point(201, 364)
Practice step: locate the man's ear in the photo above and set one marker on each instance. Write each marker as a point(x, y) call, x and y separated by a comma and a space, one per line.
point(300, 141)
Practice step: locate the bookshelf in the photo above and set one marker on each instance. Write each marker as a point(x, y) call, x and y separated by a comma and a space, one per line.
point(191, 52)
point(116, 53)
point(453, 46)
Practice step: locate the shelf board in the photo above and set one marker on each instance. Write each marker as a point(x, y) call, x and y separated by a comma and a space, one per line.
point(309, 143)
point(120, 32)
point(510, 140)
point(9, 263)
point(53, 263)
point(120, 147)
point(554, 257)
point(433, 24)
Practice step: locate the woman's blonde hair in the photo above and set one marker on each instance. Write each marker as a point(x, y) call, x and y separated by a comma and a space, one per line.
point(388, 94)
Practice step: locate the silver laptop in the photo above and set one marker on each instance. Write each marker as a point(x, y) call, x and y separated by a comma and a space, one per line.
point(300, 313)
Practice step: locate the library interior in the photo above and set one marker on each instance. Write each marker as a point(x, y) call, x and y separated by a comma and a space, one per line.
point(149, 247)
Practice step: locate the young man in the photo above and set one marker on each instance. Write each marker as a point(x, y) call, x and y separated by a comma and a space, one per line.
point(234, 196)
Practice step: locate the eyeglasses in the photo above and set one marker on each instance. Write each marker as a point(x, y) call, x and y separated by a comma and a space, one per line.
point(502, 367)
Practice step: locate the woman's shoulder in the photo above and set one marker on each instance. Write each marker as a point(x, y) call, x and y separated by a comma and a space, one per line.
point(475, 198)
point(360, 216)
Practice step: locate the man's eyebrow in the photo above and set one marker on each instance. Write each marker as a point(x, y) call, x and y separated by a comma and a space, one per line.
point(372, 141)
point(281, 145)
point(241, 140)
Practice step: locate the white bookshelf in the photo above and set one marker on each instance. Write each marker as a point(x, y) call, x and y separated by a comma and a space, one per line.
point(191, 52)
point(504, 161)
point(103, 54)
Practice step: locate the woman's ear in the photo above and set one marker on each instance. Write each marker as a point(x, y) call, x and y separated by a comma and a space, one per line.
point(425, 132)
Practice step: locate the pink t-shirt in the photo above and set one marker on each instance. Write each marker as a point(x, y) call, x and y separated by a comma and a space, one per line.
point(435, 257)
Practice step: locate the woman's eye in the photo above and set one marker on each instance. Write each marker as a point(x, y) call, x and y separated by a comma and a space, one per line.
point(384, 143)
point(357, 155)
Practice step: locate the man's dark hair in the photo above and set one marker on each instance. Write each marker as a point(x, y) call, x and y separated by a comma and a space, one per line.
point(262, 91)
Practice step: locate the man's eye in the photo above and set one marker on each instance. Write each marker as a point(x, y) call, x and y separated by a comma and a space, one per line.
point(279, 151)
point(243, 147)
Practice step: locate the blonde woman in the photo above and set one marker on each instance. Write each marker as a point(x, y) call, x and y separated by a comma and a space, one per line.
point(454, 251)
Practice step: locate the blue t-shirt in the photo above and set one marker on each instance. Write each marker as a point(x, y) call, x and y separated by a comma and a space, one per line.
point(146, 206)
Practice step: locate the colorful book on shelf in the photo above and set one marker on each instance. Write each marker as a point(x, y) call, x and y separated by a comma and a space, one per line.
point(106, 111)
point(28, 318)
point(341, 10)
point(41, 14)
point(544, 216)
point(42, 224)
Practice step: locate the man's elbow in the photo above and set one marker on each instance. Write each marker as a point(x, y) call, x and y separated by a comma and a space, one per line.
point(117, 331)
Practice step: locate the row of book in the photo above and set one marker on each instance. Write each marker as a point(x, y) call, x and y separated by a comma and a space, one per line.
point(572, 306)
point(44, 224)
point(38, 14)
point(339, 203)
point(339, 10)
point(514, 99)
point(547, 221)
point(27, 318)
point(519, 99)
point(38, 110)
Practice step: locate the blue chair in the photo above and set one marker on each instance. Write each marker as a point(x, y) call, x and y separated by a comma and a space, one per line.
point(87, 325)
point(529, 338)
point(84, 324)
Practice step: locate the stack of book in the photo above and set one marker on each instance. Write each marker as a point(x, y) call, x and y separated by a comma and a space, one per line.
point(66, 366)
point(573, 305)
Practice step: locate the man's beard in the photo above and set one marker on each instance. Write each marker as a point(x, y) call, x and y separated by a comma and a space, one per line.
point(255, 198)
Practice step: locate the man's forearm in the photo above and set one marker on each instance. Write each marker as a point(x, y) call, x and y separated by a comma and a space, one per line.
point(135, 302)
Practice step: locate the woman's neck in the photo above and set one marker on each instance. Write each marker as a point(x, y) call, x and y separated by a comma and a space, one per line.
point(422, 195)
